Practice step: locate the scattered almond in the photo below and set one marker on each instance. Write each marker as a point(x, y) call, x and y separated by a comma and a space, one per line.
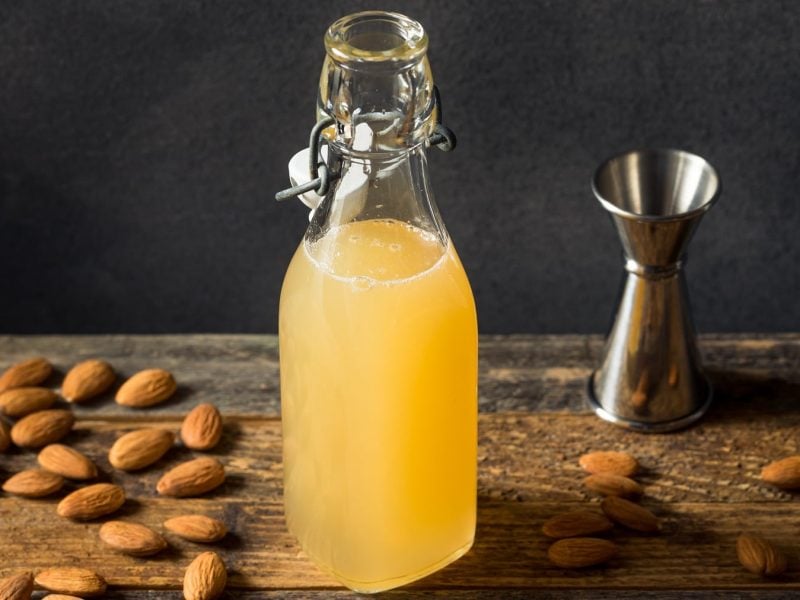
point(87, 380)
point(16, 587)
point(33, 483)
point(132, 538)
point(576, 523)
point(616, 463)
point(139, 449)
point(758, 556)
point(784, 473)
point(18, 402)
point(67, 462)
point(41, 428)
point(5, 436)
point(192, 478)
point(202, 427)
point(92, 502)
point(205, 578)
point(613, 485)
point(60, 597)
point(576, 553)
point(146, 388)
point(26, 373)
point(630, 515)
point(72, 580)
point(197, 528)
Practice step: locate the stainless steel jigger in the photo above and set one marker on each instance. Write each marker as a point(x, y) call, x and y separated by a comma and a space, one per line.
point(650, 379)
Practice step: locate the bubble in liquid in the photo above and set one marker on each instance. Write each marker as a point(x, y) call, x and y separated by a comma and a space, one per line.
point(362, 284)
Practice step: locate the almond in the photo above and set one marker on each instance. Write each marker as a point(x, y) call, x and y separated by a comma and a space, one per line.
point(92, 502)
point(758, 556)
point(67, 462)
point(576, 553)
point(5, 436)
point(72, 580)
point(33, 483)
point(197, 528)
point(87, 379)
point(26, 373)
point(60, 597)
point(630, 515)
point(146, 388)
point(16, 587)
point(205, 578)
point(132, 538)
point(613, 485)
point(616, 463)
point(41, 428)
point(202, 427)
point(139, 449)
point(576, 523)
point(192, 478)
point(784, 473)
point(18, 402)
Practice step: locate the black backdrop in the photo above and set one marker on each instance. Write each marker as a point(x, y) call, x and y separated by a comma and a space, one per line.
point(141, 142)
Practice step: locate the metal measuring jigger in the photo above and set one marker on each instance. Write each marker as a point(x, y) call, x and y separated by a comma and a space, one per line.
point(650, 379)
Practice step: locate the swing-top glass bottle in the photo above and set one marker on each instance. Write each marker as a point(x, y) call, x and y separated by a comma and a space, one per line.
point(378, 332)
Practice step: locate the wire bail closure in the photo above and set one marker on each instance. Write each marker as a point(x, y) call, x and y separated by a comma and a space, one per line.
point(321, 174)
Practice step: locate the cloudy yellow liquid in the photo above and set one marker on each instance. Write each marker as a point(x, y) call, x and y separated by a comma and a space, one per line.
point(379, 350)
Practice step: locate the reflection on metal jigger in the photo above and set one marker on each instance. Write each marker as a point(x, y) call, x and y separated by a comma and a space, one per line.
point(650, 379)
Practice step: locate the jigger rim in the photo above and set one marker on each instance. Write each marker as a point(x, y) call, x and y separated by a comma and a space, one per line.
point(613, 208)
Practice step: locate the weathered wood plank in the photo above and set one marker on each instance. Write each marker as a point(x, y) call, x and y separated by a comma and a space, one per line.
point(542, 373)
point(481, 594)
point(703, 481)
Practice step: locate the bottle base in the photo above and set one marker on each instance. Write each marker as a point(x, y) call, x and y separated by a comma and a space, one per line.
point(374, 587)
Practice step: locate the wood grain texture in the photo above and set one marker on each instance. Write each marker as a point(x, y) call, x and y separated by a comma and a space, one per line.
point(702, 481)
point(519, 372)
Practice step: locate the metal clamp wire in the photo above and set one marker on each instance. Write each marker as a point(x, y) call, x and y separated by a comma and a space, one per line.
point(321, 177)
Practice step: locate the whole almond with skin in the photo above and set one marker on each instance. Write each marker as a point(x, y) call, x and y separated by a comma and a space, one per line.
point(60, 597)
point(72, 580)
point(146, 388)
point(631, 515)
point(132, 538)
point(41, 428)
point(18, 402)
point(784, 473)
point(616, 463)
point(205, 578)
point(577, 553)
point(33, 483)
point(26, 373)
point(5, 436)
point(576, 523)
point(613, 485)
point(67, 462)
point(202, 427)
point(139, 449)
point(87, 380)
point(192, 478)
point(197, 528)
point(92, 502)
point(16, 587)
point(758, 556)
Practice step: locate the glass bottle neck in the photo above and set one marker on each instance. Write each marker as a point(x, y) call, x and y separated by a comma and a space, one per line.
point(376, 83)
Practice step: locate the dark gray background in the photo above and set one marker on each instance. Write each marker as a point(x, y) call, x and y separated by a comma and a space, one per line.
point(141, 143)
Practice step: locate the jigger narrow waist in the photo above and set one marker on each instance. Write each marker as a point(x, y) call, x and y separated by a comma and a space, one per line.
point(654, 271)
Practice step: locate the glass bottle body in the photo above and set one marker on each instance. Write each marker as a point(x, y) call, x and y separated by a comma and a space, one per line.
point(378, 346)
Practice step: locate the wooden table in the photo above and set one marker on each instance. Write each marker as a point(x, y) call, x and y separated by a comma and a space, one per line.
point(533, 426)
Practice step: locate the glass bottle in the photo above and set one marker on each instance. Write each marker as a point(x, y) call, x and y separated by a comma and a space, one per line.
point(378, 331)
